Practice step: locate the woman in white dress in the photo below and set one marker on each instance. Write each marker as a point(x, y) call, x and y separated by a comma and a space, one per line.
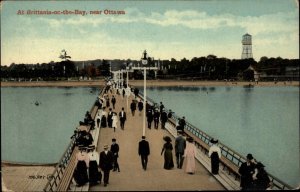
point(114, 121)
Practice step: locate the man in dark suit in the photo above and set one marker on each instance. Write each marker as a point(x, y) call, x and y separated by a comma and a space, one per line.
point(144, 151)
point(105, 163)
point(122, 116)
point(109, 118)
point(114, 148)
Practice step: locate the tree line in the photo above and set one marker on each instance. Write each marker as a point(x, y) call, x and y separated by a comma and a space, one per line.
point(202, 68)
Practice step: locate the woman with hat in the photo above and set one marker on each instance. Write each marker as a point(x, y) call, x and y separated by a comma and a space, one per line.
point(80, 174)
point(261, 180)
point(215, 155)
point(168, 156)
point(189, 156)
point(94, 174)
point(114, 121)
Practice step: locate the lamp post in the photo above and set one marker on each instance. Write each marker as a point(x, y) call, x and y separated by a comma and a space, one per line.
point(144, 62)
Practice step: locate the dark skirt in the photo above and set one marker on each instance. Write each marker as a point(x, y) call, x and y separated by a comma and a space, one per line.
point(94, 174)
point(215, 163)
point(80, 174)
point(169, 164)
point(103, 122)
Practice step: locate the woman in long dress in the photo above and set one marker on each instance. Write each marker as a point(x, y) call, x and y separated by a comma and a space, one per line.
point(98, 118)
point(114, 121)
point(215, 154)
point(94, 174)
point(168, 156)
point(81, 175)
point(103, 118)
point(189, 157)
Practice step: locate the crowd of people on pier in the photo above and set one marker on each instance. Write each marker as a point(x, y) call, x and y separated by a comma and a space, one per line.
point(90, 164)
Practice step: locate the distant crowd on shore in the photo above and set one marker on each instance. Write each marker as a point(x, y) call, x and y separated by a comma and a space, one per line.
point(90, 164)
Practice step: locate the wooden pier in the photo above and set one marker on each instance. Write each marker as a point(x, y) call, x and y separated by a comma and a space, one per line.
point(155, 178)
point(132, 177)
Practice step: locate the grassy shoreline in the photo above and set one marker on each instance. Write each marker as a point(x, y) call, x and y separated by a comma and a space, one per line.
point(98, 83)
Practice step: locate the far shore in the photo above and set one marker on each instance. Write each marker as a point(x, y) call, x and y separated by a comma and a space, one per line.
point(150, 83)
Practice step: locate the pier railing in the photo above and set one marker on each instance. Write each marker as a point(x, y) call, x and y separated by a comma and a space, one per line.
point(61, 168)
point(233, 159)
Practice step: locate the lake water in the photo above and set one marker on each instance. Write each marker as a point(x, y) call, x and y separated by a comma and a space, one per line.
point(263, 121)
point(40, 134)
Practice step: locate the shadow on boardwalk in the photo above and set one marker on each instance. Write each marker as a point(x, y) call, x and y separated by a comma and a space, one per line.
point(156, 178)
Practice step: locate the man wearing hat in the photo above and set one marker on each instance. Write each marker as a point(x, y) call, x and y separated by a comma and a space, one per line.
point(215, 155)
point(105, 163)
point(114, 148)
point(149, 117)
point(180, 144)
point(122, 116)
point(182, 123)
point(163, 118)
point(246, 171)
point(144, 151)
point(156, 116)
point(261, 180)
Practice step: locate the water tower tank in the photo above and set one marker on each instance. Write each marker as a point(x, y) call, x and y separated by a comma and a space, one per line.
point(247, 46)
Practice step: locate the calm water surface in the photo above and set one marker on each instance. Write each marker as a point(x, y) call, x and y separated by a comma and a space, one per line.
point(263, 121)
point(40, 134)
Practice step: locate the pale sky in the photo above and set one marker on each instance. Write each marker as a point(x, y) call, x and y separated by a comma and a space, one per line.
point(166, 29)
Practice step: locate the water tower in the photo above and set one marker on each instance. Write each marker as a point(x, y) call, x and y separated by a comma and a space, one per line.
point(247, 46)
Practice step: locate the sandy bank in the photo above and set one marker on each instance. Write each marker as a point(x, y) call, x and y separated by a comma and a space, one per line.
point(150, 83)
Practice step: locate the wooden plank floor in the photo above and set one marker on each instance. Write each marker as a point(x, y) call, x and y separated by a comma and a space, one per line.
point(26, 178)
point(155, 178)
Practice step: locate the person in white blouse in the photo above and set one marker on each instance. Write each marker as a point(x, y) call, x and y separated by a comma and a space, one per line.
point(98, 118)
point(114, 121)
point(80, 174)
point(215, 154)
point(94, 175)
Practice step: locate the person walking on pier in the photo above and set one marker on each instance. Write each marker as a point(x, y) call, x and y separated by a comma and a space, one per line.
point(98, 118)
point(122, 116)
point(180, 145)
point(136, 92)
point(215, 154)
point(104, 118)
point(144, 151)
point(113, 101)
point(114, 121)
point(133, 107)
point(163, 118)
point(161, 107)
point(107, 101)
point(181, 124)
point(149, 117)
point(95, 176)
point(140, 107)
point(168, 156)
point(105, 163)
point(109, 118)
point(156, 116)
point(80, 173)
point(189, 156)
point(114, 148)
point(261, 180)
point(246, 171)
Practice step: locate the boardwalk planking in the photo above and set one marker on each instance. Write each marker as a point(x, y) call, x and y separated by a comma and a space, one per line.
point(132, 176)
